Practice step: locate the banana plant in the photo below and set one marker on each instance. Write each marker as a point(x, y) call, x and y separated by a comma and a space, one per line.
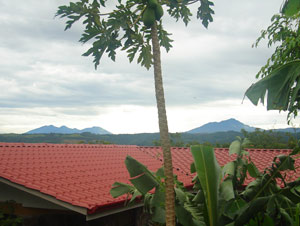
point(262, 201)
point(219, 196)
point(150, 187)
point(219, 187)
point(269, 202)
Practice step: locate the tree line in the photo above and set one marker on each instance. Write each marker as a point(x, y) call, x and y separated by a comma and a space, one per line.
point(259, 139)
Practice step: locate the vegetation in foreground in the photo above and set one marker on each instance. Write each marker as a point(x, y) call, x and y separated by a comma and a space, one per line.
point(219, 196)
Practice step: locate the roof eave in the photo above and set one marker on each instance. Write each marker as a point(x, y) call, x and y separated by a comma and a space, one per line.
point(41, 195)
point(69, 206)
point(112, 211)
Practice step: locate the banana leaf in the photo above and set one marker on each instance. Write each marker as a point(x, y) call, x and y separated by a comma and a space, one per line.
point(208, 171)
point(142, 179)
point(119, 189)
point(250, 210)
point(281, 85)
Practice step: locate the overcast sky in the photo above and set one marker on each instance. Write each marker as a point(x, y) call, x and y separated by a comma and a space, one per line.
point(44, 80)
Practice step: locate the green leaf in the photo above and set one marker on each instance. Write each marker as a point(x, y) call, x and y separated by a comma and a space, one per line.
point(193, 168)
point(145, 57)
point(253, 188)
point(180, 195)
point(208, 171)
point(287, 218)
point(142, 178)
point(295, 151)
point(234, 208)
point(291, 7)
point(160, 172)
point(286, 162)
point(134, 167)
point(268, 221)
point(199, 197)
point(195, 210)
point(235, 147)
point(250, 210)
point(271, 206)
point(205, 12)
point(246, 142)
point(185, 217)
point(297, 214)
point(135, 194)
point(164, 39)
point(158, 199)
point(279, 85)
point(226, 189)
point(119, 189)
point(144, 183)
point(159, 215)
point(253, 171)
point(229, 169)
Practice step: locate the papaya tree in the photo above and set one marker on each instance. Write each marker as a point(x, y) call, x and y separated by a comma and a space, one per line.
point(135, 26)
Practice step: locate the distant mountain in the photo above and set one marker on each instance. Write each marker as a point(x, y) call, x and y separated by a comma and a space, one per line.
point(141, 139)
point(95, 130)
point(66, 130)
point(223, 126)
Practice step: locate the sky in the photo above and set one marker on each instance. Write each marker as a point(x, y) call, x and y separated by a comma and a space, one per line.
point(44, 80)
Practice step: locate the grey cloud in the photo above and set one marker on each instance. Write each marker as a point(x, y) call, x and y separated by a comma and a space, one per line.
point(45, 67)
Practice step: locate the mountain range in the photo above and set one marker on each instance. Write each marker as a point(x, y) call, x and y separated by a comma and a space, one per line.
point(211, 127)
point(67, 130)
point(223, 126)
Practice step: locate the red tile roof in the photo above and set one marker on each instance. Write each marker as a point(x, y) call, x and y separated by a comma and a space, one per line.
point(82, 174)
point(262, 158)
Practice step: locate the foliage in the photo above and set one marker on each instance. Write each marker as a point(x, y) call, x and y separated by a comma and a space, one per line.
point(291, 7)
point(262, 200)
point(282, 87)
point(123, 28)
point(270, 139)
point(270, 200)
point(145, 181)
point(208, 171)
point(224, 200)
point(280, 75)
point(259, 139)
point(7, 217)
point(284, 34)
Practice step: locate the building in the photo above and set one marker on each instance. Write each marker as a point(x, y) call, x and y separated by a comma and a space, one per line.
point(76, 178)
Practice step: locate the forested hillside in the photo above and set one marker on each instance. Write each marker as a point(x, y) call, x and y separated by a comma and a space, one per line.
point(259, 138)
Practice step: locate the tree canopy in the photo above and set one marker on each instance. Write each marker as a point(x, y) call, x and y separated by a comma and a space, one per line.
point(122, 27)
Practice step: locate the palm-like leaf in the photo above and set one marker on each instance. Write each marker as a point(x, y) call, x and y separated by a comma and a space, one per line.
point(282, 87)
point(208, 171)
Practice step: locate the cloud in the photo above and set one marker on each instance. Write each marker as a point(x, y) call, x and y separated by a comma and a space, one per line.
point(44, 79)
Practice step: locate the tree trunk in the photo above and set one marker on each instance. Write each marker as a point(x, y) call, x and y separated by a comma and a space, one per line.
point(163, 128)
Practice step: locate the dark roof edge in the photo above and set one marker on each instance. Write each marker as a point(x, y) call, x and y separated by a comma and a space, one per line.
point(69, 206)
point(112, 211)
point(41, 195)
